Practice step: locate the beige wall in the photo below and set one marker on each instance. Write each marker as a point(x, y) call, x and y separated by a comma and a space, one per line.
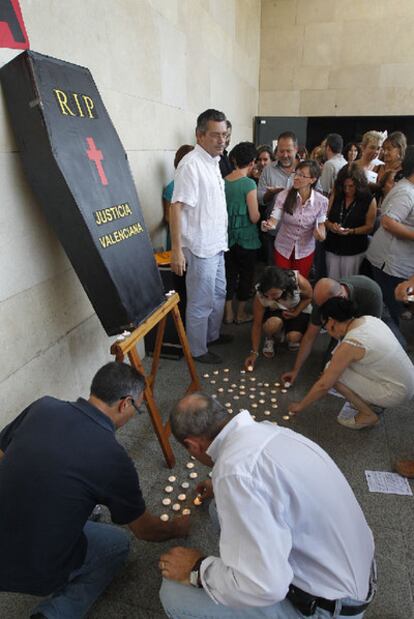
point(337, 57)
point(157, 64)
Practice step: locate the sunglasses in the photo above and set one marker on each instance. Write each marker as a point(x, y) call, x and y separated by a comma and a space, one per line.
point(137, 408)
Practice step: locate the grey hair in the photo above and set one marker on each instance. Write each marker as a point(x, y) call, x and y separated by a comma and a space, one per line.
point(198, 414)
point(205, 117)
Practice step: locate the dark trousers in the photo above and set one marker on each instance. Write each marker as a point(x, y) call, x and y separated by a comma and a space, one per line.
point(388, 283)
point(240, 265)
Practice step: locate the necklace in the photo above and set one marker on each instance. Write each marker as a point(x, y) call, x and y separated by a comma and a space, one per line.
point(343, 215)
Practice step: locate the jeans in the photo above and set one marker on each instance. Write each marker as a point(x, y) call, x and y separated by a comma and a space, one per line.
point(188, 602)
point(206, 295)
point(108, 548)
point(388, 283)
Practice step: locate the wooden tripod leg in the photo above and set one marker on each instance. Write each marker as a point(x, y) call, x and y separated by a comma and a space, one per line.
point(161, 431)
point(157, 350)
point(195, 381)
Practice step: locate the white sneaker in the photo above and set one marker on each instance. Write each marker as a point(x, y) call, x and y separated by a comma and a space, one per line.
point(269, 348)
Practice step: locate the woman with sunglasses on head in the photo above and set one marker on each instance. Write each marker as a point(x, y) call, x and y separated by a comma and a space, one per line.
point(301, 212)
point(368, 367)
point(282, 302)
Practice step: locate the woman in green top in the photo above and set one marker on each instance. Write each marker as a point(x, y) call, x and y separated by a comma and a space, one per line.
point(243, 211)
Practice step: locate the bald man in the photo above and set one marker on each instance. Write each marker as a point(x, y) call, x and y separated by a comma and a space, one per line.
point(362, 291)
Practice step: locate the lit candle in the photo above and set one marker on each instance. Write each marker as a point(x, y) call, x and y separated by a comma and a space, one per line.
point(164, 517)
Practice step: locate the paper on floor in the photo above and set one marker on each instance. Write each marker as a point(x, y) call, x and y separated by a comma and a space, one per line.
point(387, 483)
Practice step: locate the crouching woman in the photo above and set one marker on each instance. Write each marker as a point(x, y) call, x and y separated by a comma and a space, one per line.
point(368, 367)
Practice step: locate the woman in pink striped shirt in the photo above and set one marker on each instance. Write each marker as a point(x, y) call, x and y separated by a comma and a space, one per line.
point(301, 213)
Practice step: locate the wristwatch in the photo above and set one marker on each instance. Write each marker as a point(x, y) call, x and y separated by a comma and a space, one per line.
point(195, 579)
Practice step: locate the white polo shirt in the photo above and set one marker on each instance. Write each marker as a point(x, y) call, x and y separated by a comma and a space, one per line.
point(198, 185)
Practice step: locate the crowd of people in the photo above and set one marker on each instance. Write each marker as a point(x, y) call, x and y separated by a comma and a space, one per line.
point(335, 230)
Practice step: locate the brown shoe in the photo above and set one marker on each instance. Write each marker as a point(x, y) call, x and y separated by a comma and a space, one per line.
point(405, 468)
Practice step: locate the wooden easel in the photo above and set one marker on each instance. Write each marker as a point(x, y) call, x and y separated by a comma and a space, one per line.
point(128, 347)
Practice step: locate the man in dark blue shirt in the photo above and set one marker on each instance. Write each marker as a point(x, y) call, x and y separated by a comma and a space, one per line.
point(57, 461)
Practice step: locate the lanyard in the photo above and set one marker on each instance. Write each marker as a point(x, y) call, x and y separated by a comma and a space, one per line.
point(344, 216)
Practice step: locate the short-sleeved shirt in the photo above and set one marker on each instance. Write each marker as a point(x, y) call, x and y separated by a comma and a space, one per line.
point(352, 217)
point(61, 459)
point(330, 172)
point(241, 230)
point(363, 292)
point(198, 185)
point(167, 194)
point(296, 229)
point(387, 252)
point(273, 175)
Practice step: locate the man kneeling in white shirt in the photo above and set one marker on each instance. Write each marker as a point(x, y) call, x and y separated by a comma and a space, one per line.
point(293, 539)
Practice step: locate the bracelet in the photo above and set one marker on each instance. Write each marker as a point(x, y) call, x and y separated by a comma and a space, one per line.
point(254, 352)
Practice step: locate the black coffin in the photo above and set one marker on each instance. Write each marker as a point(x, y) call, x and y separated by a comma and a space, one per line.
point(79, 172)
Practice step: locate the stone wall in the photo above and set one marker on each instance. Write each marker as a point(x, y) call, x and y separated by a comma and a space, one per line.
point(336, 58)
point(157, 64)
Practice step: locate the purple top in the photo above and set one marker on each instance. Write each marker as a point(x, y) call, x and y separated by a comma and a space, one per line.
point(296, 231)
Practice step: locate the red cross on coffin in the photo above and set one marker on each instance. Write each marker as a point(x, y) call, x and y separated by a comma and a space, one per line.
point(96, 156)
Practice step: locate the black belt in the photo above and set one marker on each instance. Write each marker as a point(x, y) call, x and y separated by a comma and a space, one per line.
point(307, 603)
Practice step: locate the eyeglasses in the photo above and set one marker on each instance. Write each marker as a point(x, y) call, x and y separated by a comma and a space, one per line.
point(133, 403)
point(299, 175)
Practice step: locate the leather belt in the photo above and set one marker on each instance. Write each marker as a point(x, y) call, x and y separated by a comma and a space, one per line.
point(307, 603)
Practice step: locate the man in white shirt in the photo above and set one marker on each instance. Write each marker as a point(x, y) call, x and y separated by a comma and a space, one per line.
point(293, 538)
point(335, 161)
point(198, 221)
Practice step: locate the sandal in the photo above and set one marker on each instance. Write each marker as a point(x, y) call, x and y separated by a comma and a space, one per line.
point(269, 348)
point(241, 321)
point(351, 424)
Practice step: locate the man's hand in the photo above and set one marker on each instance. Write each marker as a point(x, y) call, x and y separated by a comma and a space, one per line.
point(289, 377)
point(205, 489)
point(295, 407)
point(176, 564)
point(250, 361)
point(403, 290)
point(274, 190)
point(178, 264)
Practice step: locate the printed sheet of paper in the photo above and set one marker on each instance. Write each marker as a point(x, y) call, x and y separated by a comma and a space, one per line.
point(387, 483)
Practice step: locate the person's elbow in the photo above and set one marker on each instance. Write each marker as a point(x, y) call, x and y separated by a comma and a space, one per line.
point(274, 590)
point(258, 595)
point(387, 223)
point(255, 217)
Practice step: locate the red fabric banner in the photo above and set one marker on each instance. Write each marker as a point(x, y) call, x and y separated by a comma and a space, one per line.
point(12, 29)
